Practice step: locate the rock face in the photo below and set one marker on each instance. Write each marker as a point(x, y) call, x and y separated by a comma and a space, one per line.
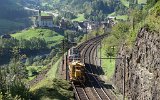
point(141, 66)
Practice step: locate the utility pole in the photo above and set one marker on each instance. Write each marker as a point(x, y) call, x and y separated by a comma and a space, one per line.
point(67, 58)
point(86, 33)
point(124, 71)
point(96, 56)
point(100, 52)
point(67, 47)
point(66, 66)
point(133, 23)
point(63, 56)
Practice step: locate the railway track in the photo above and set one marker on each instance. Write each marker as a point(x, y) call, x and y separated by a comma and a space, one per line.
point(85, 92)
point(92, 89)
point(92, 72)
point(98, 70)
point(80, 92)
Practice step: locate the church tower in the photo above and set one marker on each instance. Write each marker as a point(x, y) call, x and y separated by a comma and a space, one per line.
point(39, 18)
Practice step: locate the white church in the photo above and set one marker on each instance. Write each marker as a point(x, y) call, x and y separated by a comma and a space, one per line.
point(43, 21)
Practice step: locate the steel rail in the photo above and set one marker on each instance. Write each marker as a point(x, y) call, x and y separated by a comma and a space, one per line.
point(101, 92)
point(80, 92)
point(97, 93)
point(96, 83)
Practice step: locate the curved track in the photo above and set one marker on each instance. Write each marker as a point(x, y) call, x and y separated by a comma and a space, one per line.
point(92, 89)
point(93, 82)
point(83, 92)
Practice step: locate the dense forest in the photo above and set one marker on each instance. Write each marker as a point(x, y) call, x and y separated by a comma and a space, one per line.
point(95, 10)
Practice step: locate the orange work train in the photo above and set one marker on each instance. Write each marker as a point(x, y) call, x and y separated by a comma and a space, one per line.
point(76, 67)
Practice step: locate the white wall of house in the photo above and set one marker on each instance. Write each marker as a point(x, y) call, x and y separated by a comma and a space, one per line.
point(44, 23)
point(89, 26)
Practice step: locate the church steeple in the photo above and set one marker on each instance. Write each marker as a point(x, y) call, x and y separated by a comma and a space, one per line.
point(39, 17)
point(39, 13)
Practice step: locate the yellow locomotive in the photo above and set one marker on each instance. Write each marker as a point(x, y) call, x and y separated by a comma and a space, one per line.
point(77, 71)
point(76, 67)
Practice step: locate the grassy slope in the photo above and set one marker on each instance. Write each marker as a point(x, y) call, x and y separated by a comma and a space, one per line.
point(125, 3)
point(47, 81)
point(48, 35)
point(6, 25)
point(142, 1)
point(152, 19)
point(112, 14)
point(9, 25)
point(79, 18)
point(124, 17)
point(49, 89)
point(107, 65)
point(36, 69)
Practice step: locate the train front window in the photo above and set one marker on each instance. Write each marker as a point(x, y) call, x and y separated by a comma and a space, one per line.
point(77, 68)
point(70, 58)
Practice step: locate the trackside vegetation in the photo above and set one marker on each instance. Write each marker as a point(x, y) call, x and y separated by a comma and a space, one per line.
point(125, 32)
point(36, 53)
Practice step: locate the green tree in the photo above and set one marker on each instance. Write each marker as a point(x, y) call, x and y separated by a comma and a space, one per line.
point(19, 90)
point(29, 61)
point(120, 30)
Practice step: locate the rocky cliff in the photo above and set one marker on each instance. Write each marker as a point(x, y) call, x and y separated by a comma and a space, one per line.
point(142, 67)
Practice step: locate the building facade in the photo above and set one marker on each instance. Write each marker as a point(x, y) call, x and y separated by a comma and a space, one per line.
point(43, 21)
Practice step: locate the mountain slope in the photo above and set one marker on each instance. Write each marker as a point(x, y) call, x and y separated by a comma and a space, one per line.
point(12, 16)
point(140, 62)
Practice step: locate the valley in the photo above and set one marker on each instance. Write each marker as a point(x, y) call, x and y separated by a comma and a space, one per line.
point(117, 41)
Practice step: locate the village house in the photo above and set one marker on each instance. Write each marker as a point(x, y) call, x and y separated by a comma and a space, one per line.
point(111, 21)
point(63, 23)
point(86, 26)
point(82, 27)
point(43, 21)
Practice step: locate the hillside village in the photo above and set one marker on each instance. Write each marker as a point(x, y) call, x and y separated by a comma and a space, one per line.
point(116, 40)
point(84, 26)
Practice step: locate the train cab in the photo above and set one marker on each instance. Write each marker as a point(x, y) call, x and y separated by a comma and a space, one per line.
point(73, 55)
point(77, 71)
